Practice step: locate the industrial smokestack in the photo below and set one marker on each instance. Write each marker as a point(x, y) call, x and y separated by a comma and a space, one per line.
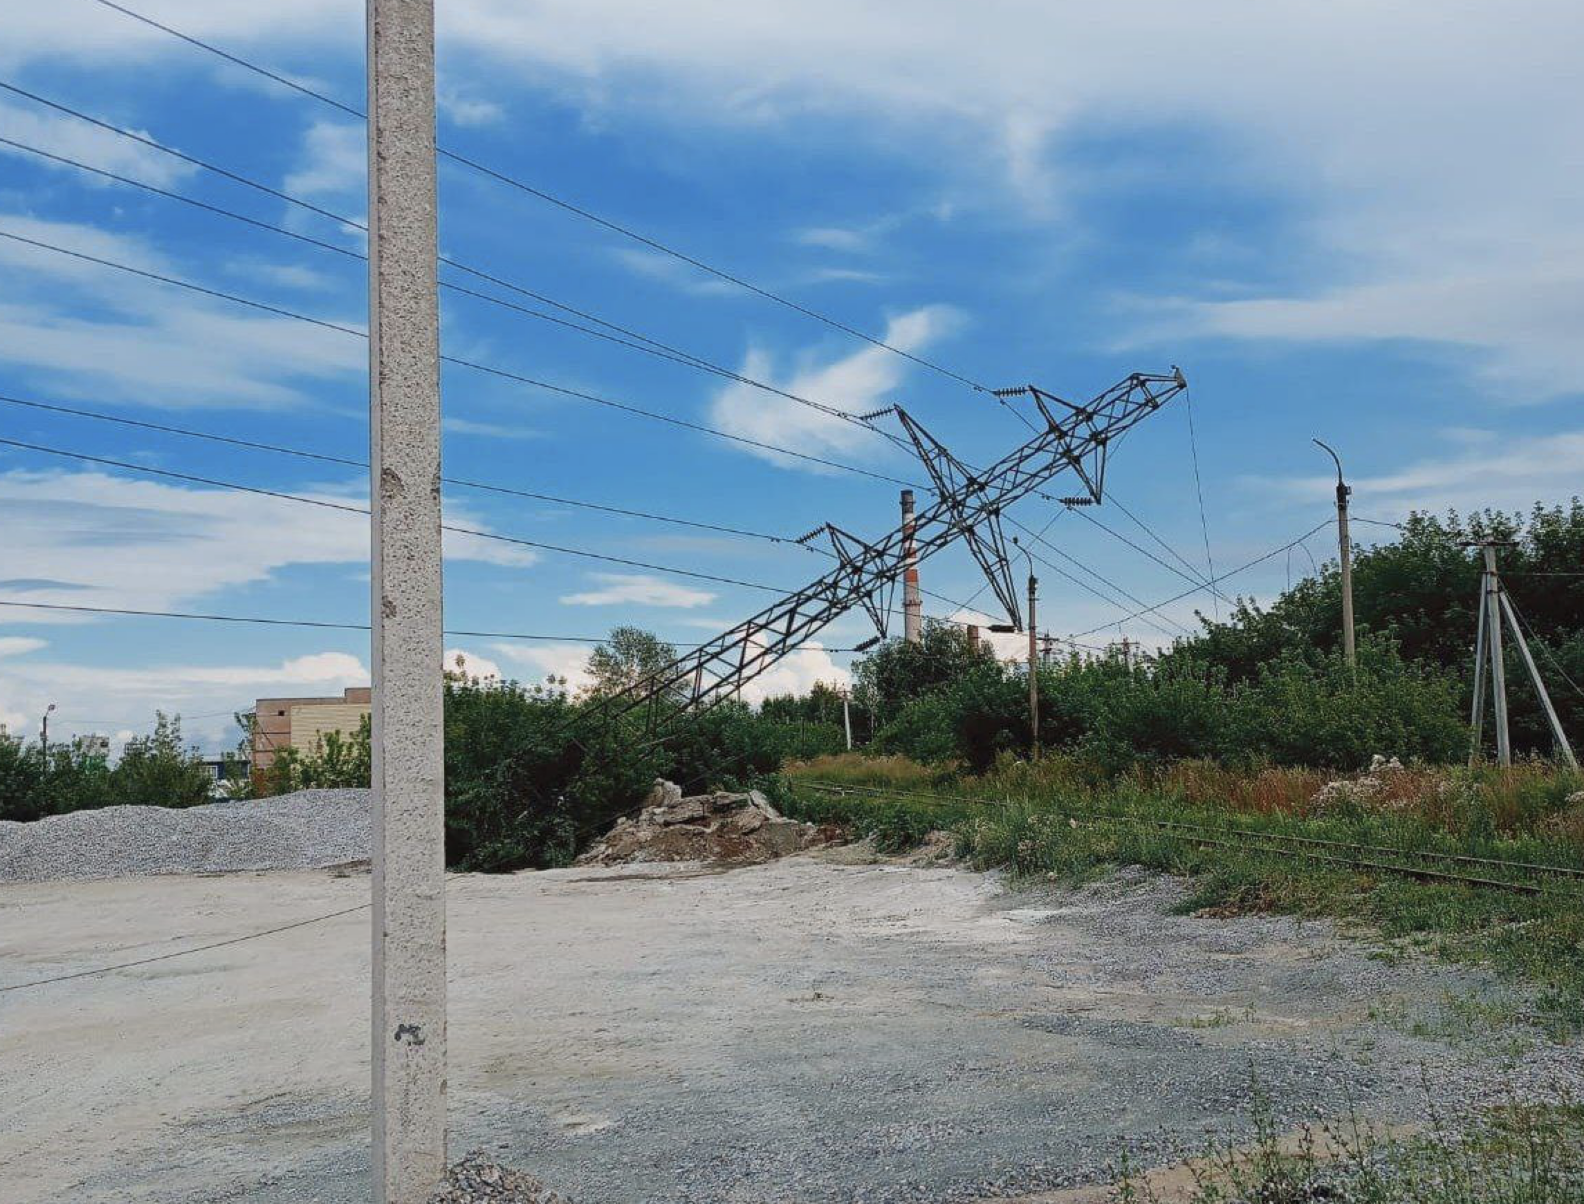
point(912, 602)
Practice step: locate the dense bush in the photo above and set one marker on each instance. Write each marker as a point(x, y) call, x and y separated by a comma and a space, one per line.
point(154, 770)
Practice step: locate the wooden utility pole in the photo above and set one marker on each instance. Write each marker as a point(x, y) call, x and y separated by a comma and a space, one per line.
point(1345, 553)
point(408, 1012)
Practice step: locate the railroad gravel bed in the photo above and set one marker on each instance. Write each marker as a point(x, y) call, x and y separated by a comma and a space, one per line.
point(306, 830)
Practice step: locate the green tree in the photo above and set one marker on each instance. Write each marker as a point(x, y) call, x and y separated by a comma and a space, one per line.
point(157, 770)
point(897, 672)
point(628, 656)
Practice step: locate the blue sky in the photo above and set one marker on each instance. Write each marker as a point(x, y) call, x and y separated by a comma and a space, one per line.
point(1356, 221)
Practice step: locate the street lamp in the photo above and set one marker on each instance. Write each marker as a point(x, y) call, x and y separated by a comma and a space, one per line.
point(44, 729)
point(1345, 553)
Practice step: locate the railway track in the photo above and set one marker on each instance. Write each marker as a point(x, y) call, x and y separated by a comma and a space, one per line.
point(1310, 848)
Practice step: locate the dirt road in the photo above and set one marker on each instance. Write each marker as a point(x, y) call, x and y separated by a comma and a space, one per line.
point(801, 1031)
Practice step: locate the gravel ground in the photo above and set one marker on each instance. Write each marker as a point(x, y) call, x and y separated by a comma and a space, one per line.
point(802, 1032)
point(305, 830)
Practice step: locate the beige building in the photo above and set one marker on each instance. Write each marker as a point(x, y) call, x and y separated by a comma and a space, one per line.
point(302, 723)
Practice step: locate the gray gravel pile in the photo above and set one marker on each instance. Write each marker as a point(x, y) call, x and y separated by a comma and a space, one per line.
point(477, 1180)
point(305, 830)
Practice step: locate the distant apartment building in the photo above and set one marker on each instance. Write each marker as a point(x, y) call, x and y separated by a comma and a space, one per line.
point(302, 723)
point(91, 746)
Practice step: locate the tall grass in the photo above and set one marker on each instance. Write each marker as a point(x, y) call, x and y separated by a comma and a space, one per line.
point(1051, 820)
point(1516, 1153)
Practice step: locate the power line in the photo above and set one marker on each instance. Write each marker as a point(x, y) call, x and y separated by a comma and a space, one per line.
point(352, 463)
point(1204, 525)
point(1171, 568)
point(1150, 531)
point(1217, 580)
point(1106, 581)
point(472, 365)
point(327, 504)
point(623, 336)
point(561, 203)
point(317, 624)
point(346, 461)
point(269, 622)
point(145, 961)
point(1535, 639)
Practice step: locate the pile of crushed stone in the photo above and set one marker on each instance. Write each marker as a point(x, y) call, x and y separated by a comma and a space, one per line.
point(306, 830)
point(476, 1180)
point(742, 829)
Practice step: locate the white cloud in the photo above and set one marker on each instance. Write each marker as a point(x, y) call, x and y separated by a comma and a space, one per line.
point(796, 673)
point(1403, 182)
point(667, 269)
point(467, 110)
point(1512, 474)
point(537, 661)
point(335, 163)
point(91, 539)
point(835, 238)
point(857, 383)
point(487, 430)
point(101, 699)
point(473, 664)
point(73, 139)
point(98, 333)
point(639, 589)
point(18, 645)
point(1522, 315)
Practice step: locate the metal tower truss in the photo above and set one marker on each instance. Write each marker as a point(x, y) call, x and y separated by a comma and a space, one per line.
point(967, 507)
point(958, 487)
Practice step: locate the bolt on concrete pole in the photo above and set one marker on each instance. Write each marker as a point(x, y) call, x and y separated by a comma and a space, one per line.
point(912, 601)
point(1345, 554)
point(409, 981)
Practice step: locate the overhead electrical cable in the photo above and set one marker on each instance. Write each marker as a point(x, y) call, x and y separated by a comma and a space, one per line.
point(613, 332)
point(1198, 574)
point(1100, 577)
point(1222, 577)
point(560, 202)
point(328, 504)
point(1193, 579)
point(349, 462)
point(472, 365)
point(1204, 524)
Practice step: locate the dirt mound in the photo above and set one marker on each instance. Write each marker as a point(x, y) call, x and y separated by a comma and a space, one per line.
point(743, 829)
point(477, 1180)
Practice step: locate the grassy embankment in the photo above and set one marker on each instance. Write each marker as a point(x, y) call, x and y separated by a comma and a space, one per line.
point(1512, 1154)
point(1055, 819)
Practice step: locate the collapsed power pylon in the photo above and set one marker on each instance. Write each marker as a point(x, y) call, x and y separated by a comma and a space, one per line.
point(1493, 609)
point(967, 507)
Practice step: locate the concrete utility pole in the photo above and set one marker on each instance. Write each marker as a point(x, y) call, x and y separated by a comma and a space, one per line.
point(1498, 668)
point(409, 955)
point(912, 601)
point(1496, 607)
point(847, 720)
point(1345, 551)
point(44, 731)
point(1033, 669)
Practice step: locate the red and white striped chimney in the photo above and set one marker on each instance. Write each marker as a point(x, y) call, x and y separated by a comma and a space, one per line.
point(912, 601)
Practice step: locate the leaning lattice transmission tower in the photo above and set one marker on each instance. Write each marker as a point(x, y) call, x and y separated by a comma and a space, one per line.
point(967, 508)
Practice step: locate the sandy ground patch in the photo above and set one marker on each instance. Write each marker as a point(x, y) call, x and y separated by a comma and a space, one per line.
point(800, 1031)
